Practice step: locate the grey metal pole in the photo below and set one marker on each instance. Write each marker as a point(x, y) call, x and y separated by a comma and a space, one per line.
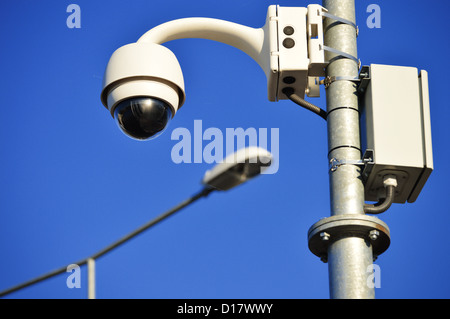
point(91, 278)
point(349, 256)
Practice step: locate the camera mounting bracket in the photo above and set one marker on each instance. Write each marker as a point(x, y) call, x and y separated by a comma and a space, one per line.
point(289, 47)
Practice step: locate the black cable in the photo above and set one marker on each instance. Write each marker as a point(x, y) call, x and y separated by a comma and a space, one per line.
point(383, 205)
point(39, 279)
point(203, 193)
point(290, 93)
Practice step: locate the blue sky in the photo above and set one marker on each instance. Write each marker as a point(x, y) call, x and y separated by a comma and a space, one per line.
point(72, 183)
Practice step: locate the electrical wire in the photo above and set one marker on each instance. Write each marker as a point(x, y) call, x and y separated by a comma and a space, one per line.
point(203, 193)
point(373, 209)
point(383, 205)
point(290, 93)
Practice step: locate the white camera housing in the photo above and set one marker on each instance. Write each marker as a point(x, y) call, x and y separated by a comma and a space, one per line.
point(143, 70)
point(289, 49)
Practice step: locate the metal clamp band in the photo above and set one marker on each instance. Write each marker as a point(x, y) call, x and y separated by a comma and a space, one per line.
point(335, 163)
point(330, 79)
point(342, 108)
point(342, 20)
point(342, 54)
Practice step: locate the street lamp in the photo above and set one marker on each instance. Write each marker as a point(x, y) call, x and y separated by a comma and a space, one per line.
point(235, 169)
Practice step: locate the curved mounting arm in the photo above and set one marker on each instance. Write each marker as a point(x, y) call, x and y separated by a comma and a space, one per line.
point(249, 40)
point(289, 47)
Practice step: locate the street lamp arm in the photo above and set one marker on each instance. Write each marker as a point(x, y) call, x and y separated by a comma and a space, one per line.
point(252, 41)
point(203, 193)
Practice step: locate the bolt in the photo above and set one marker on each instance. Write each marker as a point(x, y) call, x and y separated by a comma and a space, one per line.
point(363, 75)
point(373, 235)
point(324, 259)
point(324, 236)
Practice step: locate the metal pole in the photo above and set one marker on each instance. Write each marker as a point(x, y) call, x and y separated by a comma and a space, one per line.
point(349, 256)
point(91, 278)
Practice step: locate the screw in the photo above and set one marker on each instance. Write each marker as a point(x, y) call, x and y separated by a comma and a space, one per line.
point(324, 236)
point(373, 235)
point(363, 75)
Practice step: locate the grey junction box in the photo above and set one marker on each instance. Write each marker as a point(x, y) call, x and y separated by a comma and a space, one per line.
point(396, 130)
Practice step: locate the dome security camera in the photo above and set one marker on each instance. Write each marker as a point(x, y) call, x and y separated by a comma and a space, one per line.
point(143, 88)
point(143, 85)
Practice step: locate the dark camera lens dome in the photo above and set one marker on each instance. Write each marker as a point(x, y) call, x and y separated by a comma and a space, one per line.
point(142, 118)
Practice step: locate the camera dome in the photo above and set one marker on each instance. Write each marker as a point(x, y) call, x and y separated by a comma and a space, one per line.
point(143, 88)
point(142, 118)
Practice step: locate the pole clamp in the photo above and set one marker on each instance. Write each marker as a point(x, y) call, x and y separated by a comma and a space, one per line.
point(341, 20)
point(335, 163)
point(330, 79)
point(341, 55)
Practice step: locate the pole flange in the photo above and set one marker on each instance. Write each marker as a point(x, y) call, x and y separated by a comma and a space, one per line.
point(341, 226)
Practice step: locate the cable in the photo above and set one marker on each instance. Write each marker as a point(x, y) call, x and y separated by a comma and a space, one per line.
point(39, 279)
point(290, 93)
point(203, 193)
point(384, 204)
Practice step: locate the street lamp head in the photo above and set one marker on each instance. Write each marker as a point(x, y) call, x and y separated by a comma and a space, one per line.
point(143, 88)
point(238, 168)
